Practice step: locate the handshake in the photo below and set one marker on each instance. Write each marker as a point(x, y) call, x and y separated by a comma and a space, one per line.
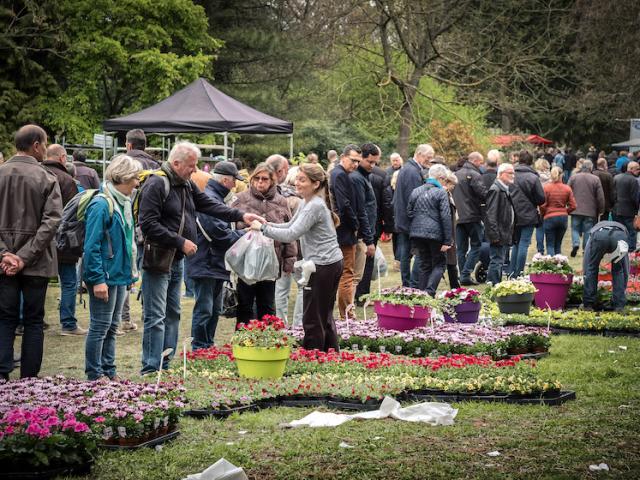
point(11, 264)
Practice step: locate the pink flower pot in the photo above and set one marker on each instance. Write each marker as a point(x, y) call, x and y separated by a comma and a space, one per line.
point(553, 289)
point(400, 317)
point(467, 312)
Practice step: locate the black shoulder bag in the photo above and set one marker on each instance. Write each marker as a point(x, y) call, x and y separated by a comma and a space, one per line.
point(157, 258)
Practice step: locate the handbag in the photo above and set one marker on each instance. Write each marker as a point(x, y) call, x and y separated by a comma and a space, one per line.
point(158, 258)
point(636, 222)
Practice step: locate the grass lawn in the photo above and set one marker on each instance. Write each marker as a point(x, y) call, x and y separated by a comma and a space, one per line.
point(601, 426)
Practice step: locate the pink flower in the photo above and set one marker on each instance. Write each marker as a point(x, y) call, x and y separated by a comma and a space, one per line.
point(100, 419)
point(80, 427)
point(52, 421)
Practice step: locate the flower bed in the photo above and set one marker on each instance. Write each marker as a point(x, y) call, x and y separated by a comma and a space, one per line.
point(443, 338)
point(580, 321)
point(122, 412)
point(348, 377)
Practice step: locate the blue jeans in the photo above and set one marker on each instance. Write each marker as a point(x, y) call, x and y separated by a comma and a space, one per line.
point(468, 237)
point(633, 235)
point(189, 289)
point(161, 296)
point(497, 254)
point(601, 242)
point(68, 288)
point(540, 239)
point(554, 230)
point(205, 311)
point(100, 347)
point(580, 226)
point(410, 275)
point(433, 263)
point(519, 250)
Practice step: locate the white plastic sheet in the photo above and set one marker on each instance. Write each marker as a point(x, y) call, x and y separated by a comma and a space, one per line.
point(221, 470)
point(433, 413)
point(253, 258)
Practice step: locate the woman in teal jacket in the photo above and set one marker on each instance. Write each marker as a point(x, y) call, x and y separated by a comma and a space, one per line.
point(109, 262)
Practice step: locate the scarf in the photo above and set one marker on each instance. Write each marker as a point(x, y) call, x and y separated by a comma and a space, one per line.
point(434, 182)
point(173, 177)
point(124, 209)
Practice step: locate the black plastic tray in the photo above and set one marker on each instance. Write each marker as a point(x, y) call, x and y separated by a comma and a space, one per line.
point(223, 413)
point(303, 401)
point(555, 400)
point(75, 470)
point(151, 443)
point(501, 398)
point(360, 407)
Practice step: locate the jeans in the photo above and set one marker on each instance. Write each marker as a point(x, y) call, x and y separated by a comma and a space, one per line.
point(633, 235)
point(205, 311)
point(264, 296)
point(601, 242)
point(33, 291)
point(540, 239)
point(432, 263)
point(283, 287)
point(497, 253)
point(554, 229)
point(468, 237)
point(189, 290)
point(580, 225)
point(100, 347)
point(519, 250)
point(68, 288)
point(410, 275)
point(161, 295)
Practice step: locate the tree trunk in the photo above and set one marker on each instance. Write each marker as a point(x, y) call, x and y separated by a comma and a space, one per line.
point(406, 112)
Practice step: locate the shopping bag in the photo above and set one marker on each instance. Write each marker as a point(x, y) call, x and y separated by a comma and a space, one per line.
point(379, 264)
point(253, 258)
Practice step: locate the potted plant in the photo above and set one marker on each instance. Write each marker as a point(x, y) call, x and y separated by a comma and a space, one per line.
point(552, 276)
point(261, 348)
point(460, 305)
point(538, 343)
point(514, 296)
point(401, 308)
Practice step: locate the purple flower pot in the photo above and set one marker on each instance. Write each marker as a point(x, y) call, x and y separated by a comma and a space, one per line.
point(553, 289)
point(467, 312)
point(400, 317)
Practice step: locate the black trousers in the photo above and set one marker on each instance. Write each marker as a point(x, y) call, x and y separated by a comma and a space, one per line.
point(34, 291)
point(432, 263)
point(264, 296)
point(454, 278)
point(318, 300)
point(364, 286)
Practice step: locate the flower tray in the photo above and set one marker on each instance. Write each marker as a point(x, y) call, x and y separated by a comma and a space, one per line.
point(74, 470)
point(353, 404)
point(222, 412)
point(551, 399)
point(149, 443)
point(302, 401)
point(531, 356)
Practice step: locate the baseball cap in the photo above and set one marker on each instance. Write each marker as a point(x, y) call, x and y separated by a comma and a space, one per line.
point(227, 168)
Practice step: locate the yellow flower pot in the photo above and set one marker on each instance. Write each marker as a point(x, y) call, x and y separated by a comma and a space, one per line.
point(261, 362)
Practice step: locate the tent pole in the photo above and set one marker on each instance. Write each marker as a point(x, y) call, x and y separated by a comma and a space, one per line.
point(226, 141)
point(290, 146)
point(104, 153)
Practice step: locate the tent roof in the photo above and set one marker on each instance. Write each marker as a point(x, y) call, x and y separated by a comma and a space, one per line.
point(632, 142)
point(199, 107)
point(506, 140)
point(538, 140)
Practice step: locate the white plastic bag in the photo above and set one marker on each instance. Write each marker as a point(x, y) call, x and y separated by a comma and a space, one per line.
point(253, 258)
point(379, 261)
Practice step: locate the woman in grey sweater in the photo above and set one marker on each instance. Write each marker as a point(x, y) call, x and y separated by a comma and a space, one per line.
point(315, 225)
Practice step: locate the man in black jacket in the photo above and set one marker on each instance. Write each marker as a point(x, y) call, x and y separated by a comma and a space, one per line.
point(527, 193)
point(606, 180)
point(499, 221)
point(344, 205)
point(469, 196)
point(136, 144)
point(625, 200)
point(169, 221)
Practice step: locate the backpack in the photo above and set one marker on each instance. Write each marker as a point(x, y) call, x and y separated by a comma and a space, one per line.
point(71, 232)
point(143, 176)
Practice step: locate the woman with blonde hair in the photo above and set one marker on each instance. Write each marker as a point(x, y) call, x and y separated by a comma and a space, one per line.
point(559, 203)
point(109, 262)
point(315, 225)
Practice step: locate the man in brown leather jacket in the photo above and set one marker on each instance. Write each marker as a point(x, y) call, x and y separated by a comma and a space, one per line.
point(30, 211)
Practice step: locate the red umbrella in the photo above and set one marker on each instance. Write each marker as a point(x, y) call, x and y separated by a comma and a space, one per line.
point(538, 140)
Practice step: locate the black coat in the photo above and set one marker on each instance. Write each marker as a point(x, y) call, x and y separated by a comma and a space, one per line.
point(470, 194)
point(625, 195)
point(159, 219)
point(344, 205)
point(488, 177)
point(430, 214)
point(526, 193)
point(500, 215)
point(384, 200)
point(146, 160)
point(409, 178)
point(367, 207)
point(606, 180)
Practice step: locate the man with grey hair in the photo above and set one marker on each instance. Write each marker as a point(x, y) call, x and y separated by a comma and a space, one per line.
point(589, 196)
point(168, 224)
point(396, 163)
point(469, 197)
point(409, 178)
point(206, 267)
point(625, 200)
point(499, 221)
point(430, 228)
point(67, 273)
point(494, 158)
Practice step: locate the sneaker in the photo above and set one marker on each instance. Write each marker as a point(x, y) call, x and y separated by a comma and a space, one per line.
point(75, 332)
point(45, 325)
point(19, 330)
point(119, 333)
point(466, 282)
point(129, 326)
point(574, 251)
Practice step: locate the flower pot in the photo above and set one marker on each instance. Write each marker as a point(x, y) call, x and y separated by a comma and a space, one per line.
point(552, 289)
point(261, 362)
point(467, 312)
point(515, 303)
point(517, 351)
point(400, 317)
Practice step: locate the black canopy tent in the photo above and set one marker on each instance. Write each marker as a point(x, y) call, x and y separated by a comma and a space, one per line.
point(201, 108)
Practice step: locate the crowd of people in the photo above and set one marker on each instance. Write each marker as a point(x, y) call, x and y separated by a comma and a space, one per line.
point(162, 223)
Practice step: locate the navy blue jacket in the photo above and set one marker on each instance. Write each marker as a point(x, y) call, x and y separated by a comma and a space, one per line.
point(526, 193)
point(344, 205)
point(367, 207)
point(208, 261)
point(430, 214)
point(409, 178)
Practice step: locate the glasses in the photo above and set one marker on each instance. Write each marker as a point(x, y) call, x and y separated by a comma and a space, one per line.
point(262, 179)
point(354, 160)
